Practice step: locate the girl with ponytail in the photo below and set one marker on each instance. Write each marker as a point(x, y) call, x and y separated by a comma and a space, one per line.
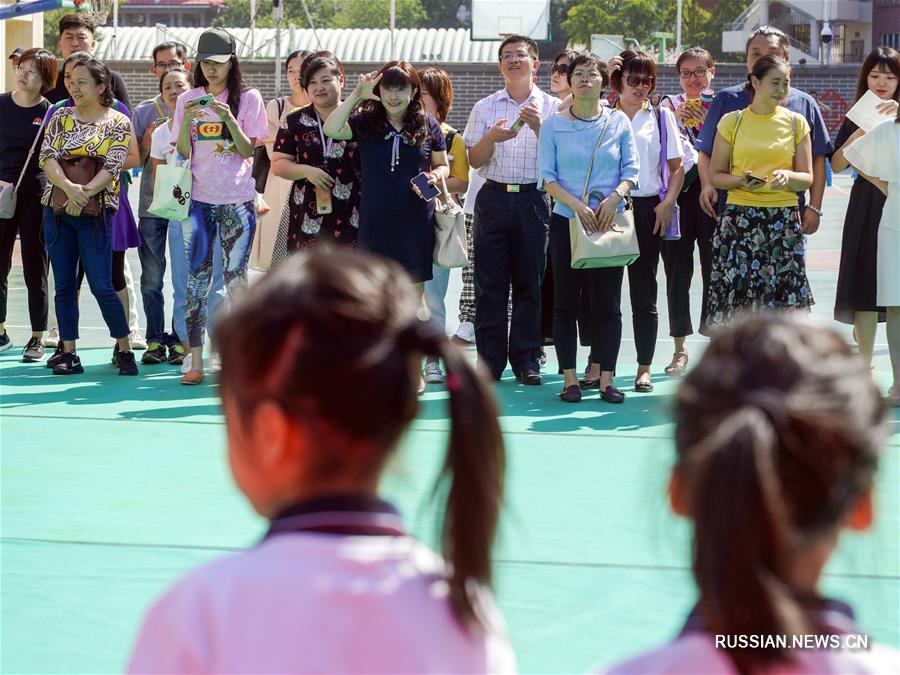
point(778, 430)
point(337, 585)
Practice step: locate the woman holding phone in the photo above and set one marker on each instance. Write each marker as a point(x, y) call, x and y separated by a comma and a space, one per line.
point(399, 143)
point(323, 203)
point(218, 123)
point(762, 156)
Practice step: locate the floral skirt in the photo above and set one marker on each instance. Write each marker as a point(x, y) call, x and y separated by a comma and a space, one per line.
point(757, 262)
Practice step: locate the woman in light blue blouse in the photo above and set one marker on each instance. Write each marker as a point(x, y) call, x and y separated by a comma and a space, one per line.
point(565, 153)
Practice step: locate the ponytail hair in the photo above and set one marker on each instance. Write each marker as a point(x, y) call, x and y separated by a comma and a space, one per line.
point(777, 433)
point(343, 315)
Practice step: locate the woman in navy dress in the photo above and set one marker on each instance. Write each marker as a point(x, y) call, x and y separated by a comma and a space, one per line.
point(397, 141)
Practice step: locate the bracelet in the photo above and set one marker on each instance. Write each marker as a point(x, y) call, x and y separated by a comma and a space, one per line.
point(621, 196)
point(815, 210)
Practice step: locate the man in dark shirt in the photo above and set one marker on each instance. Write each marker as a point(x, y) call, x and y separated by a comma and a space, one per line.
point(76, 34)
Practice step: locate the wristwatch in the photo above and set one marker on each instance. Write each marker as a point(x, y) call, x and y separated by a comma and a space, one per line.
point(815, 210)
point(621, 195)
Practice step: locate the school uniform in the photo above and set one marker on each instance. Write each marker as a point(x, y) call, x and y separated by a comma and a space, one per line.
point(336, 586)
point(694, 651)
point(513, 217)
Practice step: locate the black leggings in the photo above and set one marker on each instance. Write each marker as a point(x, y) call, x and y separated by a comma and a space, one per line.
point(118, 271)
point(27, 222)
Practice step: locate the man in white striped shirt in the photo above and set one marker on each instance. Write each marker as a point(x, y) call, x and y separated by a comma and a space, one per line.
point(511, 213)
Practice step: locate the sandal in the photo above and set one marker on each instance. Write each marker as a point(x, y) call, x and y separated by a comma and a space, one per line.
point(192, 377)
point(678, 365)
point(643, 387)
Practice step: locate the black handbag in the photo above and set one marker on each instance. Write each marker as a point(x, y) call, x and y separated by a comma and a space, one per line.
point(261, 162)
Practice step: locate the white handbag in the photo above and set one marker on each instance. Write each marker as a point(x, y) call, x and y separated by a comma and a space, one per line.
point(9, 191)
point(449, 232)
point(172, 191)
point(616, 247)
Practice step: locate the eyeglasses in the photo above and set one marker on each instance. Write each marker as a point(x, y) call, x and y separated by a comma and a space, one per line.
point(638, 81)
point(687, 74)
point(27, 73)
point(517, 56)
point(170, 64)
point(560, 68)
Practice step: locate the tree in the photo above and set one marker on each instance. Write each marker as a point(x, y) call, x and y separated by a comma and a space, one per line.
point(238, 13)
point(376, 14)
point(630, 18)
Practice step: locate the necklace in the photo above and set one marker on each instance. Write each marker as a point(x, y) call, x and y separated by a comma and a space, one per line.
point(588, 119)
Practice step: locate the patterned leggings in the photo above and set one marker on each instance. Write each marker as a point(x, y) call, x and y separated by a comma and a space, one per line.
point(234, 224)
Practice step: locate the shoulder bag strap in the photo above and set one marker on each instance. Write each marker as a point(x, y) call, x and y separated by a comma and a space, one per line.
point(663, 150)
point(30, 152)
point(587, 179)
point(280, 108)
point(737, 125)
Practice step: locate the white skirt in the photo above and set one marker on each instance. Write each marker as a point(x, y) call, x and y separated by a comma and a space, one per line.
point(888, 272)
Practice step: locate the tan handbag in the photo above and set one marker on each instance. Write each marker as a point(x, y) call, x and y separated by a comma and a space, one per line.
point(616, 247)
point(449, 232)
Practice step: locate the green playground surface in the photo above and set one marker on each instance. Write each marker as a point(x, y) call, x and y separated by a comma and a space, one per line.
point(112, 487)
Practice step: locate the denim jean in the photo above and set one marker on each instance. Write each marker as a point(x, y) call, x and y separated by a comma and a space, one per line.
point(435, 292)
point(178, 269)
point(68, 239)
point(233, 226)
point(153, 267)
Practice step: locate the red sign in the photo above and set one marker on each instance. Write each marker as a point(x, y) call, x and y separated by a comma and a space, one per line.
point(833, 107)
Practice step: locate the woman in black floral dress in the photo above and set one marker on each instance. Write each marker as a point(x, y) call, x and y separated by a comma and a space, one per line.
point(302, 153)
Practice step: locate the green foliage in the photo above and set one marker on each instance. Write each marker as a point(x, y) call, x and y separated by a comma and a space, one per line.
point(238, 13)
point(334, 13)
point(376, 14)
point(51, 29)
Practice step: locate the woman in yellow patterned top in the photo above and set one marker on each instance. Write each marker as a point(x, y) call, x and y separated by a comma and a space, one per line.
point(762, 156)
point(89, 129)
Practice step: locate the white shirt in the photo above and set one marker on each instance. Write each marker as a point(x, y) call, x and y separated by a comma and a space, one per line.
point(161, 145)
point(476, 182)
point(695, 653)
point(646, 135)
point(307, 602)
point(515, 160)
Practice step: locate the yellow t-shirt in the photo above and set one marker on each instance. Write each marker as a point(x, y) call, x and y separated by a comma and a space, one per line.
point(764, 143)
point(459, 162)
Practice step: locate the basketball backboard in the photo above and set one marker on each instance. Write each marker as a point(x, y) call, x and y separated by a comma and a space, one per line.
point(493, 19)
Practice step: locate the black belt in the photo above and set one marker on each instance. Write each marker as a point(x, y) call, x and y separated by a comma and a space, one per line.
point(512, 187)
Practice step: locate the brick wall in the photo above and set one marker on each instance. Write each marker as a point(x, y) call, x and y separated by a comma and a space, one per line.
point(836, 85)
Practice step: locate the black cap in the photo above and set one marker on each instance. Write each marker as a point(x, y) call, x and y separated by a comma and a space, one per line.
point(18, 51)
point(215, 44)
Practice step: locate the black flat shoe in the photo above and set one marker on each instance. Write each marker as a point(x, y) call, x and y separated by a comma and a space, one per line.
point(612, 395)
point(531, 377)
point(643, 387)
point(589, 384)
point(571, 394)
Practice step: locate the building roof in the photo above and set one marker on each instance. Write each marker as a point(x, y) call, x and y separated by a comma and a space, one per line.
point(350, 44)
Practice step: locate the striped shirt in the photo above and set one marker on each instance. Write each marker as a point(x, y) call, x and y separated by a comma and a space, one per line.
point(515, 160)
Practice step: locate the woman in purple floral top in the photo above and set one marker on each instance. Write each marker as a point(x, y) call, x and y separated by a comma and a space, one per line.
point(302, 153)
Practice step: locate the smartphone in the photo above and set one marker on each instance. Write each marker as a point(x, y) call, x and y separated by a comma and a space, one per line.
point(756, 179)
point(428, 190)
point(323, 201)
point(518, 124)
point(200, 101)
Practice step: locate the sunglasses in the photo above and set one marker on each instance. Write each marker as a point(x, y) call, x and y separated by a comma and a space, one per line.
point(638, 81)
point(560, 68)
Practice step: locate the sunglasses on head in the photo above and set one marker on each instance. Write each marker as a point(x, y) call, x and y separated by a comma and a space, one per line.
point(560, 68)
point(638, 81)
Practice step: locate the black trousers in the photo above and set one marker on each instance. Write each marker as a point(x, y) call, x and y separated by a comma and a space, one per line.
point(642, 280)
point(678, 261)
point(602, 287)
point(548, 298)
point(27, 223)
point(510, 244)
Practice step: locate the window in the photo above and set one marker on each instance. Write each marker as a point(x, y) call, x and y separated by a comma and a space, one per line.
point(890, 40)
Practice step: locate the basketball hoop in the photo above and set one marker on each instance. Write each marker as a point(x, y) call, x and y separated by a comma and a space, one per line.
point(98, 10)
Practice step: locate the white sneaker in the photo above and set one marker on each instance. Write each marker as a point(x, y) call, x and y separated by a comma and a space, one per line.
point(137, 340)
point(465, 333)
point(214, 365)
point(433, 373)
point(186, 364)
point(52, 339)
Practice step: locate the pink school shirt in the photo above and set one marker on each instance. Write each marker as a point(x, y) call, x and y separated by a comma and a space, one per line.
point(318, 603)
point(221, 175)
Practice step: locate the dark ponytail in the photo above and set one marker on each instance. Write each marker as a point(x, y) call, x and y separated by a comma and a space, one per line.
point(777, 432)
point(339, 316)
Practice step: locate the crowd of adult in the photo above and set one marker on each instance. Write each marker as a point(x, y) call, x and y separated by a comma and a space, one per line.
point(778, 425)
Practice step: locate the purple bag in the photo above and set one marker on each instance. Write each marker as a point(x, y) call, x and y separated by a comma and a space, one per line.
point(673, 228)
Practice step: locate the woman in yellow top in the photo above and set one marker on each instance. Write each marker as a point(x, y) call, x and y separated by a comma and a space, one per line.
point(762, 156)
point(92, 128)
point(437, 97)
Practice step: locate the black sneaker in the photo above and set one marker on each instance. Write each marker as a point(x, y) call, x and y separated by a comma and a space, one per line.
point(58, 353)
point(156, 353)
point(34, 350)
point(69, 364)
point(5, 342)
point(115, 355)
point(176, 353)
point(126, 363)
